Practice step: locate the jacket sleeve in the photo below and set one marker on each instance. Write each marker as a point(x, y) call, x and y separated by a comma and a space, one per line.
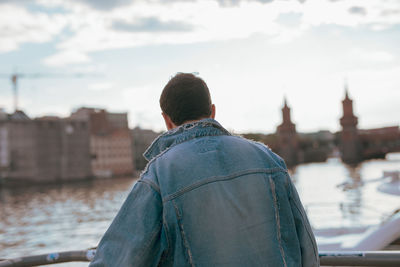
point(308, 246)
point(134, 238)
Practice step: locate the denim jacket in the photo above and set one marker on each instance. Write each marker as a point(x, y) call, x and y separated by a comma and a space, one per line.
point(208, 198)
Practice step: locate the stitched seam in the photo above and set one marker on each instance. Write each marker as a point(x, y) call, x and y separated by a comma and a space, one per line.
point(217, 179)
point(287, 181)
point(304, 218)
point(277, 218)
point(155, 232)
point(147, 244)
point(151, 184)
point(308, 232)
point(167, 234)
point(185, 242)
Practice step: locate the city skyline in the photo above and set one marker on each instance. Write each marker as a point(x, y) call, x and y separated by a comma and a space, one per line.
point(251, 54)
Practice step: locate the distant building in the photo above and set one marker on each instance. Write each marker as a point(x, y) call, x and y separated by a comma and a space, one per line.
point(141, 140)
point(350, 146)
point(47, 149)
point(287, 138)
point(110, 142)
point(315, 147)
point(376, 143)
point(112, 154)
point(3, 115)
point(360, 144)
point(4, 150)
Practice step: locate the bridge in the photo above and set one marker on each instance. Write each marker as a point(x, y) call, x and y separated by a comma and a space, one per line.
point(376, 143)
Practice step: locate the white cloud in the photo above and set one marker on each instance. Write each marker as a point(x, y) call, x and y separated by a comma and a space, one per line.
point(96, 26)
point(18, 26)
point(368, 13)
point(66, 57)
point(173, 23)
point(207, 20)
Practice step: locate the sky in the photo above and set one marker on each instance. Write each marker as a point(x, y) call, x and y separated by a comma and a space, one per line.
point(119, 55)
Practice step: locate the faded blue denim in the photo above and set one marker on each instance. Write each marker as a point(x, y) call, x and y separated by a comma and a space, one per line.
point(208, 198)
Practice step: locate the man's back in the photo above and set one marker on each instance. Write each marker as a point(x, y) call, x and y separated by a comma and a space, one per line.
point(213, 199)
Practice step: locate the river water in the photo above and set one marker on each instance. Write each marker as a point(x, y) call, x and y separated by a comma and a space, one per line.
point(50, 218)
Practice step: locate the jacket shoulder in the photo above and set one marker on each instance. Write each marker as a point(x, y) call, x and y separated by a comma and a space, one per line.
point(276, 160)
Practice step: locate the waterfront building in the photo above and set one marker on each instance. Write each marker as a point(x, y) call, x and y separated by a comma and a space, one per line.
point(141, 140)
point(47, 149)
point(3, 115)
point(110, 142)
point(4, 150)
point(4, 155)
point(287, 138)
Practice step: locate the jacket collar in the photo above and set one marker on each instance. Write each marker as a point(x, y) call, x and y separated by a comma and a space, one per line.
point(185, 132)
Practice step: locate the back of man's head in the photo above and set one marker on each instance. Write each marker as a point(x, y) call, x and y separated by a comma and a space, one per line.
point(186, 98)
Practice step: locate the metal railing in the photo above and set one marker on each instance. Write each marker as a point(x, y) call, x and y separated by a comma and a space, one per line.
point(327, 258)
point(359, 258)
point(52, 258)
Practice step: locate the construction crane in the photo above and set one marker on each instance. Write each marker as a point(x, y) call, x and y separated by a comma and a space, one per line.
point(16, 76)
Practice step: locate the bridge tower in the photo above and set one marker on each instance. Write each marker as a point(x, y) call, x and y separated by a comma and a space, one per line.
point(350, 146)
point(287, 137)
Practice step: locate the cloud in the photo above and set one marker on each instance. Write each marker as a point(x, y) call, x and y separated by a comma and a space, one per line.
point(18, 26)
point(390, 12)
point(66, 57)
point(96, 25)
point(342, 13)
point(105, 5)
point(238, 2)
point(18, 2)
point(289, 19)
point(151, 24)
point(358, 10)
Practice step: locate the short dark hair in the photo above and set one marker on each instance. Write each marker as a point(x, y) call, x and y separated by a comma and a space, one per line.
point(185, 97)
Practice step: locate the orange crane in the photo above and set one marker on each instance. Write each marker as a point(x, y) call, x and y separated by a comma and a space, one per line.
point(16, 76)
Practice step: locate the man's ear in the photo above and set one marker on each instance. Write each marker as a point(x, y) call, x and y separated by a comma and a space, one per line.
point(212, 111)
point(168, 122)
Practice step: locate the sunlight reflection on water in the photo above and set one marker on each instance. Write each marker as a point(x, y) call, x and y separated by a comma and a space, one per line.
point(329, 203)
point(43, 219)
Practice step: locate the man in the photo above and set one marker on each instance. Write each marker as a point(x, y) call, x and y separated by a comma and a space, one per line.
point(207, 198)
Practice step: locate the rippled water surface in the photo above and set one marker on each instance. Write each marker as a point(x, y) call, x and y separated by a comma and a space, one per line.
point(336, 195)
point(43, 219)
